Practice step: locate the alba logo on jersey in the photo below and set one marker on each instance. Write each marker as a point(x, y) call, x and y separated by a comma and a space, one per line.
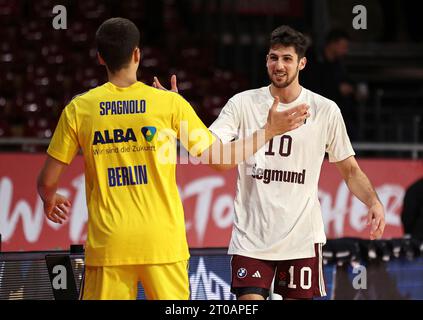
point(114, 136)
point(148, 133)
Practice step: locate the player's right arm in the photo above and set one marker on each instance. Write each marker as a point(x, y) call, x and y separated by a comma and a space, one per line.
point(360, 185)
point(62, 149)
point(239, 150)
point(56, 206)
point(224, 156)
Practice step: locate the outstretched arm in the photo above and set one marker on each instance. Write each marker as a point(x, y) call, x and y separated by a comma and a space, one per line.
point(361, 187)
point(226, 156)
point(56, 206)
point(238, 151)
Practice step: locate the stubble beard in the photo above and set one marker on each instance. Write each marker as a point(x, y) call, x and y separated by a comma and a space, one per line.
point(282, 85)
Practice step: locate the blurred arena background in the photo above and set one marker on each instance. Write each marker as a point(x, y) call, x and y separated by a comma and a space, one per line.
point(216, 48)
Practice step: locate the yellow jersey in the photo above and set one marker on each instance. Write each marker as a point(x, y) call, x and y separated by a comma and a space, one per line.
point(128, 140)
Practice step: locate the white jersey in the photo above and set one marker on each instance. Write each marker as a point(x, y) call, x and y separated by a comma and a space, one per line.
point(277, 210)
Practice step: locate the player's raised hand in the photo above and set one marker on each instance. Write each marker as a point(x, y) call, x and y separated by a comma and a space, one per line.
point(279, 122)
point(57, 209)
point(376, 220)
point(173, 84)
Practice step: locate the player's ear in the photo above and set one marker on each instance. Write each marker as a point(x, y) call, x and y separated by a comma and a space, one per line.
point(302, 64)
point(267, 60)
point(137, 55)
point(100, 59)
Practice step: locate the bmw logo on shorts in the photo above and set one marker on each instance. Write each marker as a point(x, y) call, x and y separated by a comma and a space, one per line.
point(241, 273)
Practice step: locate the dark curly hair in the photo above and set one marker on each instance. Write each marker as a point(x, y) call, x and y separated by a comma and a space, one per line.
point(288, 37)
point(116, 40)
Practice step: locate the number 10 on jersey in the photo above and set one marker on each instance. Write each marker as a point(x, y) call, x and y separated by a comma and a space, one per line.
point(284, 146)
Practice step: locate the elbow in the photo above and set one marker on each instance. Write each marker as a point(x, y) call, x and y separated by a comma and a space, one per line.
point(354, 171)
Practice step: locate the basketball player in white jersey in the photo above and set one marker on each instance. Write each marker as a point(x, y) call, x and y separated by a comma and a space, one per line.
point(278, 229)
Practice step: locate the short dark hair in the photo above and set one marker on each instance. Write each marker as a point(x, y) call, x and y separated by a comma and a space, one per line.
point(116, 40)
point(288, 37)
point(335, 35)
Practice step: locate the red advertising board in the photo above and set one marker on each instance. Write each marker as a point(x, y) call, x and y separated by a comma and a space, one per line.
point(207, 197)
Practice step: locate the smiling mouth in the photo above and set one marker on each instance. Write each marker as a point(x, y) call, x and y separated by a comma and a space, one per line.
point(280, 75)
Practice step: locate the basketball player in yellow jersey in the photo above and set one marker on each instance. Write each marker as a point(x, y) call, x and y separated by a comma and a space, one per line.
point(136, 228)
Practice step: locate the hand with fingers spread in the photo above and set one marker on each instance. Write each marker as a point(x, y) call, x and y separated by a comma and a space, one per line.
point(173, 84)
point(279, 122)
point(376, 221)
point(57, 209)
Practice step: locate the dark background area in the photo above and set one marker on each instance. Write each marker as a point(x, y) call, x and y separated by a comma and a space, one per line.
point(215, 47)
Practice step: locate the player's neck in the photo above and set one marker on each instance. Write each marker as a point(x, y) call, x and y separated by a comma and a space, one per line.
point(122, 78)
point(288, 94)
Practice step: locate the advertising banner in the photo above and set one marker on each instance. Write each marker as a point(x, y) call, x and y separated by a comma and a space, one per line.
point(207, 197)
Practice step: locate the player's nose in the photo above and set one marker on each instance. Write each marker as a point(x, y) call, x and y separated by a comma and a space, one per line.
point(279, 65)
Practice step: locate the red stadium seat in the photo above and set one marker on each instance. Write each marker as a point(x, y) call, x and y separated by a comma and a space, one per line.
point(43, 68)
point(132, 9)
point(214, 104)
point(8, 52)
point(5, 108)
point(88, 77)
point(92, 9)
point(35, 32)
point(39, 127)
point(9, 80)
point(79, 33)
point(10, 11)
point(31, 105)
point(44, 8)
point(5, 130)
point(53, 53)
point(9, 33)
point(154, 60)
point(228, 83)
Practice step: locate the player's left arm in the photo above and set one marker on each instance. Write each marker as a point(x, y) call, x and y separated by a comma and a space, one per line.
point(360, 185)
point(56, 206)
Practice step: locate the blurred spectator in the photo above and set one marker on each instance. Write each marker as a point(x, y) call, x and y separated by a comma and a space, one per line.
point(326, 75)
point(412, 210)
